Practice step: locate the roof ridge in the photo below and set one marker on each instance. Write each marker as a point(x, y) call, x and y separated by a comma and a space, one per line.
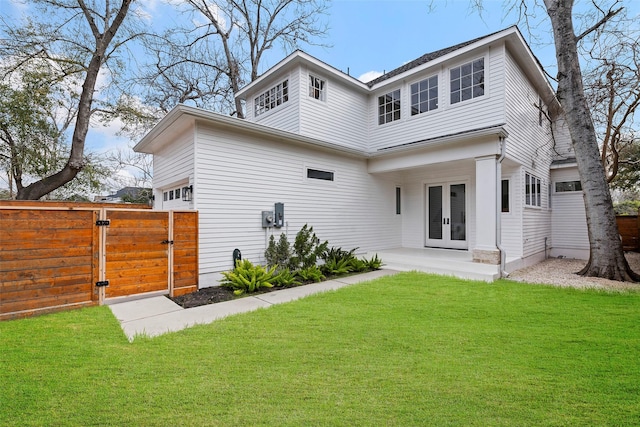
point(427, 57)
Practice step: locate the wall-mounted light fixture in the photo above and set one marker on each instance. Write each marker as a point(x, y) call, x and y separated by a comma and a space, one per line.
point(187, 193)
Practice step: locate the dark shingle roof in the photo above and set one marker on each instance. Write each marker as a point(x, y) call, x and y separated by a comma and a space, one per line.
point(424, 59)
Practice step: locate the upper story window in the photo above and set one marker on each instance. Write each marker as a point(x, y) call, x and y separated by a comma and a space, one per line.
point(317, 88)
point(467, 81)
point(532, 190)
point(272, 98)
point(389, 107)
point(424, 96)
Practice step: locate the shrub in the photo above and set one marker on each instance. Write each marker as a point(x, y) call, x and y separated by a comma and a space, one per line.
point(278, 254)
point(285, 278)
point(247, 277)
point(337, 266)
point(338, 254)
point(310, 274)
point(306, 249)
point(374, 263)
point(358, 265)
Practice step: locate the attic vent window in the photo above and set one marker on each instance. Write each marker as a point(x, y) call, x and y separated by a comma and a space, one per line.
point(317, 88)
point(319, 174)
point(272, 98)
point(467, 81)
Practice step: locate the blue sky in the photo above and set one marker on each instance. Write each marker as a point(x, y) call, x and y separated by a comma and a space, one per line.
point(376, 36)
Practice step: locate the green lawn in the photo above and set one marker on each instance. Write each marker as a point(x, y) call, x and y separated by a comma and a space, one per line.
point(406, 350)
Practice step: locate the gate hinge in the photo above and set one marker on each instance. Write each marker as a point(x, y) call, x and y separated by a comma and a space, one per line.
point(103, 222)
point(102, 283)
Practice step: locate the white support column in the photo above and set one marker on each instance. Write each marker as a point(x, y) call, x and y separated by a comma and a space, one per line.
point(486, 249)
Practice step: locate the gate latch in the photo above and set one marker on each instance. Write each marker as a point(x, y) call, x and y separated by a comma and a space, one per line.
point(102, 283)
point(167, 242)
point(103, 222)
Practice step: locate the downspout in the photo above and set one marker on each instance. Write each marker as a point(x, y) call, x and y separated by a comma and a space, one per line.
point(503, 257)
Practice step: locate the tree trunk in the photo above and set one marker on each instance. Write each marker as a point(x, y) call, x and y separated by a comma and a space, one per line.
point(606, 257)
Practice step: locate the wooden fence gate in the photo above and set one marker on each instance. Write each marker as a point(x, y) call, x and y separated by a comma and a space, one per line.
point(57, 256)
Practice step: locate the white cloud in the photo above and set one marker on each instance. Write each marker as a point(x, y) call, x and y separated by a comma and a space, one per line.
point(369, 75)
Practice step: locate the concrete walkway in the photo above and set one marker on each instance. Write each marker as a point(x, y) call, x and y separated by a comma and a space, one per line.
point(157, 315)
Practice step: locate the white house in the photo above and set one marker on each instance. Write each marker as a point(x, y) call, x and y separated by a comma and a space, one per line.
point(462, 149)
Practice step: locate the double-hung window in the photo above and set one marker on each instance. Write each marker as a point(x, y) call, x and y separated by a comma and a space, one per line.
point(532, 190)
point(389, 107)
point(272, 98)
point(424, 96)
point(467, 81)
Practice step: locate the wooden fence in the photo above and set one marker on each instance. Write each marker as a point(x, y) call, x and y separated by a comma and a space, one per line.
point(56, 256)
point(629, 229)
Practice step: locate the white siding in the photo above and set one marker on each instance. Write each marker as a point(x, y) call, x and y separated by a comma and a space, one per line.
point(530, 144)
point(173, 167)
point(484, 111)
point(285, 116)
point(568, 218)
point(511, 222)
point(240, 176)
point(340, 119)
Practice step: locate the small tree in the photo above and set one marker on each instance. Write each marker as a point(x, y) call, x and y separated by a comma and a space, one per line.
point(278, 254)
point(307, 249)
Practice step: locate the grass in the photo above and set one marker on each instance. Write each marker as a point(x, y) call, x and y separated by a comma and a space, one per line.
point(411, 349)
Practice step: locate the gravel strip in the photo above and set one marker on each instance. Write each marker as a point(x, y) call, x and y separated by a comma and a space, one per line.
point(561, 272)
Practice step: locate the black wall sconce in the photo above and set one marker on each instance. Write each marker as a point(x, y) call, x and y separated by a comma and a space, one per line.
point(187, 193)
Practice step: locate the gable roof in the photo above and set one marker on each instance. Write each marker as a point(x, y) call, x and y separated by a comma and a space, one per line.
point(511, 36)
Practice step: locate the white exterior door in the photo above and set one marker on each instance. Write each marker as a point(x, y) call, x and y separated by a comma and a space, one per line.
point(446, 215)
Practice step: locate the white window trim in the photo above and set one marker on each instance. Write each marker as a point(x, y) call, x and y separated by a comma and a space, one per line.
point(447, 89)
point(377, 107)
point(538, 194)
point(266, 111)
point(323, 91)
point(425, 113)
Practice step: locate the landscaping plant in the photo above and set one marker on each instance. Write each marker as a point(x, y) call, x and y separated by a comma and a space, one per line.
point(278, 254)
point(247, 277)
point(310, 274)
point(306, 249)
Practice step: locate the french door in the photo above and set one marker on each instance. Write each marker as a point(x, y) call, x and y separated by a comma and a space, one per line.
point(446, 215)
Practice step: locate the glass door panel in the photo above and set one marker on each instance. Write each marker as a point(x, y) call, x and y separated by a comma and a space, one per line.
point(457, 204)
point(435, 212)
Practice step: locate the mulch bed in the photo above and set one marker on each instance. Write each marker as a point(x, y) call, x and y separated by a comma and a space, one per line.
point(215, 294)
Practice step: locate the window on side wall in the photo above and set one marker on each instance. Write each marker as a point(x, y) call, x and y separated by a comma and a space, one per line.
point(271, 98)
point(389, 107)
point(424, 96)
point(505, 195)
point(567, 186)
point(319, 174)
point(398, 201)
point(467, 81)
point(532, 196)
point(317, 88)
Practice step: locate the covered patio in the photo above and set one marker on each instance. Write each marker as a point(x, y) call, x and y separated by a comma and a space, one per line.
point(450, 262)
